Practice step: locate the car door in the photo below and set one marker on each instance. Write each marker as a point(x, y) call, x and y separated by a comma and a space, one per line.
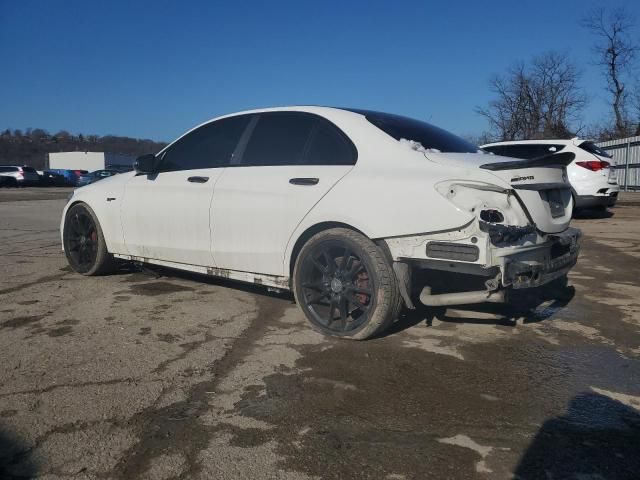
point(166, 215)
point(286, 163)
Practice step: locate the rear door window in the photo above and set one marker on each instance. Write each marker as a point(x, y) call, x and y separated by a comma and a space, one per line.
point(209, 146)
point(8, 169)
point(329, 146)
point(278, 138)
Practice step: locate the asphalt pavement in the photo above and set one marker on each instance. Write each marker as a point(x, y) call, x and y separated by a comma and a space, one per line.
point(157, 374)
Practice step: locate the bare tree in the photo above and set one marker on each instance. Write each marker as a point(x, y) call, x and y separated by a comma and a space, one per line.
point(615, 51)
point(636, 108)
point(539, 100)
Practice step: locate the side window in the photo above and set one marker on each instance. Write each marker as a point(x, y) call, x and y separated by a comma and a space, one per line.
point(209, 146)
point(328, 146)
point(279, 138)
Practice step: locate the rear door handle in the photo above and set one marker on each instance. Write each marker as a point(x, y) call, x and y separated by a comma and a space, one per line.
point(198, 179)
point(304, 181)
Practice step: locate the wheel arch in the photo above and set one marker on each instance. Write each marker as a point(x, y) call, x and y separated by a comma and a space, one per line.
point(310, 232)
point(96, 212)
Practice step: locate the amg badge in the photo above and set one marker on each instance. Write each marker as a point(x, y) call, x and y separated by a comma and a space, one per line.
point(521, 179)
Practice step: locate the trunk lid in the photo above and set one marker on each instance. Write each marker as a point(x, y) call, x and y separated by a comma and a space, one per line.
point(541, 184)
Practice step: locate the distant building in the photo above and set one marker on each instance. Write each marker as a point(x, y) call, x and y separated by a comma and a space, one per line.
point(89, 161)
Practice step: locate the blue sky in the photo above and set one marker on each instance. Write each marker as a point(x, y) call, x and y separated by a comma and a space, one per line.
point(153, 69)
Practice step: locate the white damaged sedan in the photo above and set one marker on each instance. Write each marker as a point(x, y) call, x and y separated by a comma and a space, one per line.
point(359, 213)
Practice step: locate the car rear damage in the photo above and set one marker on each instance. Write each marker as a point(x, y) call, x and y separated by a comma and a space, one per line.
point(518, 236)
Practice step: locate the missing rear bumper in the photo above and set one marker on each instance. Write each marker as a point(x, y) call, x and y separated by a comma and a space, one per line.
point(444, 283)
point(555, 260)
point(461, 298)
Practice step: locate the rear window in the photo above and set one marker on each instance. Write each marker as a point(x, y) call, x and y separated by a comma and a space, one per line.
point(8, 169)
point(525, 150)
point(429, 136)
point(593, 148)
point(29, 169)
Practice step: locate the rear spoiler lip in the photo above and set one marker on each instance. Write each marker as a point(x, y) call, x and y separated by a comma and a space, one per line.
point(562, 159)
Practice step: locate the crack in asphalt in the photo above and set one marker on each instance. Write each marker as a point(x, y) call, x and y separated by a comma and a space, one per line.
point(50, 388)
point(38, 281)
point(176, 428)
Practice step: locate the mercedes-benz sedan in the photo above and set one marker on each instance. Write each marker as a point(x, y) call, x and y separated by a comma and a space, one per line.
point(349, 209)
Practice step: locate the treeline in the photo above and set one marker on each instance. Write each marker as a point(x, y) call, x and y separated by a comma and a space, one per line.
point(543, 97)
point(30, 147)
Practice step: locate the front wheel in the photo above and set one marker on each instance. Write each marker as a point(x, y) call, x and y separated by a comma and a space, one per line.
point(84, 243)
point(345, 285)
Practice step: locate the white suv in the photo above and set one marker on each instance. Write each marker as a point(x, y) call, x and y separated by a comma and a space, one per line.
point(18, 176)
point(593, 181)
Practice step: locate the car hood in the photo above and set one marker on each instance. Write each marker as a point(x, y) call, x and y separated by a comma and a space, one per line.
point(540, 184)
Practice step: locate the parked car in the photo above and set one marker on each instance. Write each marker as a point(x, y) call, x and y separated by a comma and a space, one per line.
point(19, 176)
point(343, 207)
point(88, 178)
point(51, 179)
point(71, 177)
point(593, 181)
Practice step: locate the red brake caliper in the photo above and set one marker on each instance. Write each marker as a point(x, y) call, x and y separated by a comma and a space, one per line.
point(362, 281)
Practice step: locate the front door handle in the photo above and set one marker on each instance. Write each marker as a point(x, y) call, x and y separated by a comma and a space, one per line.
point(304, 181)
point(198, 179)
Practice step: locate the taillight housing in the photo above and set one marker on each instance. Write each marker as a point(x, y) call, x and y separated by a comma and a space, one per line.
point(492, 215)
point(594, 165)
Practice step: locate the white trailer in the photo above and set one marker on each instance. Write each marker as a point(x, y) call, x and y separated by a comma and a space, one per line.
point(89, 161)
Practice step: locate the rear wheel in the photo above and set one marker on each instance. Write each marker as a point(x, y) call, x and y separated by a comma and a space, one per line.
point(345, 285)
point(84, 243)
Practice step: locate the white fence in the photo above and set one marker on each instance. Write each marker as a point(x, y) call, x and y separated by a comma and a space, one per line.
point(626, 159)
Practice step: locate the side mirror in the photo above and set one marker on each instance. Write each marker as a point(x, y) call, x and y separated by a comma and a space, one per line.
point(145, 163)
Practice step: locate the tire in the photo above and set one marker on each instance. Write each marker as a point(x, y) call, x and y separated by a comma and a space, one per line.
point(84, 244)
point(341, 271)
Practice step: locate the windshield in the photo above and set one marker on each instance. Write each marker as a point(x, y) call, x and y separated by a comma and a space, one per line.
point(593, 148)
point(431, 138)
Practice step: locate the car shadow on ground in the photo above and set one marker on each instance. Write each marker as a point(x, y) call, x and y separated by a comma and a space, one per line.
point(142, 272)
point(533, 305)
point(529, 306)
point(592, 214)
point(597, 437)
point(13, 463)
